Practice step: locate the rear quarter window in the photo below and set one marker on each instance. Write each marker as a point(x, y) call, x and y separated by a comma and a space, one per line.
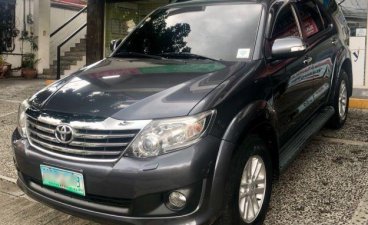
point(329, 5)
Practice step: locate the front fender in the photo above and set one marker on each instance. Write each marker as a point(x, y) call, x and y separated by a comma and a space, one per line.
point(244, 123)
point(255, 113)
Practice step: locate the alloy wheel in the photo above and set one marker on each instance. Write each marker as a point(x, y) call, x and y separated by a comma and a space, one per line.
point(252, 189)
point(343, 99)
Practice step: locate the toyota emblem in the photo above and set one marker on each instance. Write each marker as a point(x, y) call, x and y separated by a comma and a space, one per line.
point(64, 133)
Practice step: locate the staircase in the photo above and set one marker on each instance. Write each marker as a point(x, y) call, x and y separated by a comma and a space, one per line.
point(70, 62)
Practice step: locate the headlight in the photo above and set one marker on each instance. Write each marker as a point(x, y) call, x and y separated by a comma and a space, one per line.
point(22, 118)
point(164, 136)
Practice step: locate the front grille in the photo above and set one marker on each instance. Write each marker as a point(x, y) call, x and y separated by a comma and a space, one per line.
point(86, 143)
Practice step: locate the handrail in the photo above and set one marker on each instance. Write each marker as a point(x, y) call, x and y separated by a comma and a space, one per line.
point(67, 22)
point(61, 45)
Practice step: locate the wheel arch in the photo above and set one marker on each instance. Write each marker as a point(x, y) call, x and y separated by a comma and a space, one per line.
point(267, 134)
point(348, 67)
point(256, 119)
point(344, 63)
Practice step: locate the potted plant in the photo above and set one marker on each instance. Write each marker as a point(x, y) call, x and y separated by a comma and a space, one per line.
point(29, 66)
point(29, 60)
point(4, 67)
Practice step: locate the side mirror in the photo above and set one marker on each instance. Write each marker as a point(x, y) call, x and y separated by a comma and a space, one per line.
point(114, 44)
point(288, 47)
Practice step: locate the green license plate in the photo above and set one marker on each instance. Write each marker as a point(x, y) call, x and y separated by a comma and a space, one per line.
point(63, 179)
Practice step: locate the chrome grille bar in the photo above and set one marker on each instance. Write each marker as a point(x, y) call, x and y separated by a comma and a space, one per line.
point(42, 128)
point(91, 144)
point(38, 134)
point(103, 136)
point(75, 151)
point(99, 141)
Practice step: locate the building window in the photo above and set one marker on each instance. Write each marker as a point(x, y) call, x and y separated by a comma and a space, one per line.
point(122, 16)
point(8, 32)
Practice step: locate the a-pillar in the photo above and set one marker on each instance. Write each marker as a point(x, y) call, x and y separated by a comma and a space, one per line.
point(42, 31)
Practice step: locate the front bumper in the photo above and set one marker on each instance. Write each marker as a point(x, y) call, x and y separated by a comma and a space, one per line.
point(130, 191)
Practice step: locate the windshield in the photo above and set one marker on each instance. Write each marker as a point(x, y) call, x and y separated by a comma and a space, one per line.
point(220, 32)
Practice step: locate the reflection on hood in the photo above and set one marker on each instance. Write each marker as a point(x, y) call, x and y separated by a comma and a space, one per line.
point(134, 89)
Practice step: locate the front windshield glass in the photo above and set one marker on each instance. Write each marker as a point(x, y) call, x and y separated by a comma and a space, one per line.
point(221, 32)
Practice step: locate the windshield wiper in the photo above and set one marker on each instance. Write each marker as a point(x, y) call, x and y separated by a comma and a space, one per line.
point(186, 55)
point(137, 54)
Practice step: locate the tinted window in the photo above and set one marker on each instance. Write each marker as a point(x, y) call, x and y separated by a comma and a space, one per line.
point(285, 25)
point(225, 32)
point(325, 20)
point(329, 5)
point(311, 18)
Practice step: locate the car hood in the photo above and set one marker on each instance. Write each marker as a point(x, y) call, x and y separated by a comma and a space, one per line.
point(135, 89)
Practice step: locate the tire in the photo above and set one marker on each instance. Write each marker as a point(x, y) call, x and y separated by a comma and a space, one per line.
point(340, 102)
point(251, 150)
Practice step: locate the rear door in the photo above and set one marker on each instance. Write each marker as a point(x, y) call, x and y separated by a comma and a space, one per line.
point(321, 38)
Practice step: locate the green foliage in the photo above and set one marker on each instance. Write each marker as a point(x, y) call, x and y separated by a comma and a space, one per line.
point(29, 61)
point(32, 42)
point(2, 61)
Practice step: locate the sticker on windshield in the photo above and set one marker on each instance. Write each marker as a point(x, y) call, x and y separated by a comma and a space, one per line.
point(243, 53)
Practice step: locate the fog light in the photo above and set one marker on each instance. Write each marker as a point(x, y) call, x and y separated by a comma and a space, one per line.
point(177, 200)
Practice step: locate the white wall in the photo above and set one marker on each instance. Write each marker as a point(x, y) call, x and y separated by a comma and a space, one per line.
point(15, 60)
point(57, 17)
point(357, 47)
point(42, 32)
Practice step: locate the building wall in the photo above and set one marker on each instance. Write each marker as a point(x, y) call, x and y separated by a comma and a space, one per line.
point(355, 12)
point(14, 57)
point(58, 16)
point(121, 17)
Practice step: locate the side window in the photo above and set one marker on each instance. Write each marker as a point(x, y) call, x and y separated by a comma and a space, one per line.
point(311, 19)
point(285, 25)
point(324, 18)
point(329, 5)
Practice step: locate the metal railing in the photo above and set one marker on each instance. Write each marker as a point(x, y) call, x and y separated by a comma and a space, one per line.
point(58, 72)
point(58, 57)
point(67, 22)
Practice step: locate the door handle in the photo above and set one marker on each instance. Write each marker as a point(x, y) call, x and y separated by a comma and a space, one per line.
point(308, 60)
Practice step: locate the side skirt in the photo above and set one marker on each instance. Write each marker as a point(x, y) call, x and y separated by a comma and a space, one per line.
point(292, 148)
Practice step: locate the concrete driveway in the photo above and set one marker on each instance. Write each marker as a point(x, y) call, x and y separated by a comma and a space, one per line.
point(326, 184)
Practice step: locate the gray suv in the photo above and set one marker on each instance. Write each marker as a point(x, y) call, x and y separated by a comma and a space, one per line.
point(192, 116)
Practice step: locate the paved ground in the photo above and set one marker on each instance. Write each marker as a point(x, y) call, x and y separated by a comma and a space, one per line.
point(15, 207)
point(326, 184)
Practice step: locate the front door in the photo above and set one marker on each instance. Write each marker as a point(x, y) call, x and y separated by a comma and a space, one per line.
point(293, 85)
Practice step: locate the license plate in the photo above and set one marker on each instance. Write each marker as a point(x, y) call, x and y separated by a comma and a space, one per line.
point(63, 179)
